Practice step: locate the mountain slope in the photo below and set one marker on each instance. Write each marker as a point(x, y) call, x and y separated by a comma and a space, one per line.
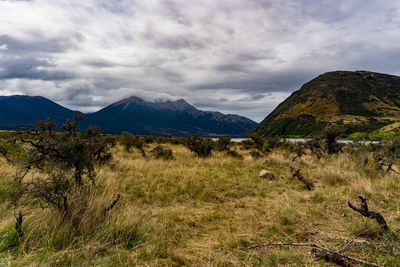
point(166, 118)
point(10, 117)
point(357, 101)
point(21, 111)
point(36, 106)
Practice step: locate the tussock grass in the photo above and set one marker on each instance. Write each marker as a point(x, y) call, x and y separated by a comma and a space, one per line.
point(201, 212)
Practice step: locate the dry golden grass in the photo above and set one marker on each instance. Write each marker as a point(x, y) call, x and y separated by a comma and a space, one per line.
point(322, 108)
point(203, 212)
point(391, 127)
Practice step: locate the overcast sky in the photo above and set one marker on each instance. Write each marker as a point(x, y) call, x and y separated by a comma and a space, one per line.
point(233, 56)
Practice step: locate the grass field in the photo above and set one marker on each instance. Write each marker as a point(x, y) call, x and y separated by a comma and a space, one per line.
point(204, 212)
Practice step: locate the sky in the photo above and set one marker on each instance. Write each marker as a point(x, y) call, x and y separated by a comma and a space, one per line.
point(234, 56)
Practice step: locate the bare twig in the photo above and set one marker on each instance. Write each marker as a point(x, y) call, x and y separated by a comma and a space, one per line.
point(370, 214)
point(113, 203)
point(296, 173)
point(313, 245)
point(18, 224)
point(345, 247)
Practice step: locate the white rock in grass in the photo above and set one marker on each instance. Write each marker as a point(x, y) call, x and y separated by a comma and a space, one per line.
point(267, 174)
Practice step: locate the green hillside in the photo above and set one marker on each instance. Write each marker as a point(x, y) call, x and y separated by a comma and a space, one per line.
point(359, 101)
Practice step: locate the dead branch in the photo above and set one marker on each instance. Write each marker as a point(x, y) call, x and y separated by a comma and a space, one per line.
point(370, 214)
point(316, 246)
point(113, 203)
point(345, 247)
point(329, 257)
point(390, 167)
point(18, 224)
point(296, 173)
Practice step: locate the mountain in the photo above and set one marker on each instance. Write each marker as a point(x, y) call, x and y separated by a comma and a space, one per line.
point(10, 118)
point(132, 115)
point(21, 111)
point(357, 101)
point(175, 118)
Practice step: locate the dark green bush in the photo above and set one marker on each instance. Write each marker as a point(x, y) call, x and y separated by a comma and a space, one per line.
point(316, 145)
point(256, 154)
point(202, 147)
point(246, 144)
point(271, 143)
point(129, 141)
point(326, 142)
point(330, 136)
point(160, 152)
point(234, 154)
point(223, 143)
point(297, 148)
point(257, 141)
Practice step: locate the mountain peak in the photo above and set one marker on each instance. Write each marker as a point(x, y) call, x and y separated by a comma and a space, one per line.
point(178, 105)
point(130, 100)
point(167, 117)
point(182, 101)
point(134, 101)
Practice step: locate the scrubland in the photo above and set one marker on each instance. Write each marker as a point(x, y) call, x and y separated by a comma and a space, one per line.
point(193, 211)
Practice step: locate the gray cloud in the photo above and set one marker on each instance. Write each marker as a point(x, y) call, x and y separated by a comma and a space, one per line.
point(57, 45)
point(253, 83)
point(30, 68)
point(240, 56)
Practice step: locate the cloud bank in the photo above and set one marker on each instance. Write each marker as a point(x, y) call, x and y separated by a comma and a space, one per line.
point(236, 56)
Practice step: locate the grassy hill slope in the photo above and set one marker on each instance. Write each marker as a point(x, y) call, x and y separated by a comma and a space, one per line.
point(359, 101)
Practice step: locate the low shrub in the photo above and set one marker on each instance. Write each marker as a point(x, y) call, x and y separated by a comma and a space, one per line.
point(202, 147)
point(223, 143)
point(160, 152)
point(129, 141)
point(234, 154)
point(255, 154)
point(271, 143)
point(61, 167)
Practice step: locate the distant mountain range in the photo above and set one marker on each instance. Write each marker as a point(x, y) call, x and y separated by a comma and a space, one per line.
point(132, 115)
point(357, 101)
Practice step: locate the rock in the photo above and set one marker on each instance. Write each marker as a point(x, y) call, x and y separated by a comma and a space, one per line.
point(267, 174)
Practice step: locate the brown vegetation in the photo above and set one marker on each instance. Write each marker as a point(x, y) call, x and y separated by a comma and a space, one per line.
point(206, 211)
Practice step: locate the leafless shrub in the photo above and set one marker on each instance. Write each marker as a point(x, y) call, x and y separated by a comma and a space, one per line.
point(369, 214)
point(296, 174)
point(58, 168)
